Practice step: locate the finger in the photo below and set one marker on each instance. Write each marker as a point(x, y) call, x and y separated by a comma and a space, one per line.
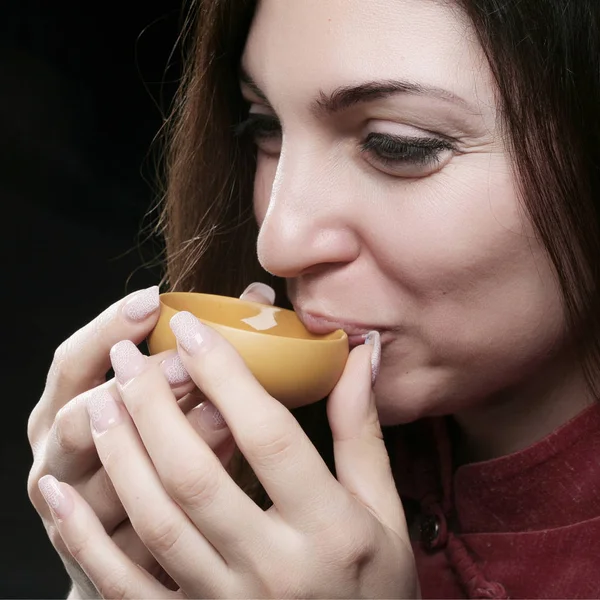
point(267, 434)
point(81, 362)
point(154, 511)
point(111, 571)
point(99, 490)
point(189, 471)
point(361, 460)
point(129, 542)
point(259, 292)
point(191, 400)
point(70, 450)
point(208, 423)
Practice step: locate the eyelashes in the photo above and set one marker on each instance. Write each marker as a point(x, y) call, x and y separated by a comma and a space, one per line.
point(258, 126)
point(392, 149)
point(392, 154)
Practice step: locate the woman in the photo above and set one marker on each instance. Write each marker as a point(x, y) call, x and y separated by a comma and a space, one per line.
point(426, 177)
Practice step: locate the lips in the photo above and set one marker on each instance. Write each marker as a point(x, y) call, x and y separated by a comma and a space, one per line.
point(320, 325)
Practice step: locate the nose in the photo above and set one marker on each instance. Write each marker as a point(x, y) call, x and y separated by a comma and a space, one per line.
point(308, 223)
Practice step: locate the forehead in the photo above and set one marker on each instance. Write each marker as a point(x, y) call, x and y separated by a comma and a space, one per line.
point(297, 46)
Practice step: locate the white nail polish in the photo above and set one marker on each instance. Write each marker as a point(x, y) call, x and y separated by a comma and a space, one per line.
point(127, 361)
point(374, 339)
point(142, 305)
point(259, 289)
point(174, 370)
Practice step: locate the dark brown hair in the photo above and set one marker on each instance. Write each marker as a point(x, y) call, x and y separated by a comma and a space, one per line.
point(545, 57)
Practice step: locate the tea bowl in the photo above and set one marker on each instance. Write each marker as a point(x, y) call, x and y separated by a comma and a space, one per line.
point(294, 365)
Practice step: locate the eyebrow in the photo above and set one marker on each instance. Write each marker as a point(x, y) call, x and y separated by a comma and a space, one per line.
point(345, 97)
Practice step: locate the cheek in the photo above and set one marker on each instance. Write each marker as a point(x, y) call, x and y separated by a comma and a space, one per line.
point(465, 266)
point(477, 292)
point(457, 231)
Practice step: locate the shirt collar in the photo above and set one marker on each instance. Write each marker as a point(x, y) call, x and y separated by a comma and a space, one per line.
point(552, 483)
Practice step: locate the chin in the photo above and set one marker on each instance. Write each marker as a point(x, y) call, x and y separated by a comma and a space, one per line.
point(411, 397)
point(390, 416)
point(395, 411)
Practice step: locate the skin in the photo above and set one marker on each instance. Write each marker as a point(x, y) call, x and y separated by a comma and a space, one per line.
point(437, 256)
point(62, 442)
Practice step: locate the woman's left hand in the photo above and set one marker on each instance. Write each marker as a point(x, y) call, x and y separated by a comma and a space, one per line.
point(323, 537)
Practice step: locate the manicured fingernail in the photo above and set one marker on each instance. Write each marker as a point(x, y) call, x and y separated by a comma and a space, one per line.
point(142, 304)
point(127, 361)
point(374, 339)
point(58, 499)
point(174, 370)
point(190, 333)
point(103, 410)
point(210, 417)
point(259, 292)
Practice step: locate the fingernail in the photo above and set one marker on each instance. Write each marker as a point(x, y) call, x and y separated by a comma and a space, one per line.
point(190, 333)
point(174, 370)
point(258, 291)
point(59, 501)
point(210, 417)
point(127, 361)
point(103, 410)
point(142, 304)
point(374, 339)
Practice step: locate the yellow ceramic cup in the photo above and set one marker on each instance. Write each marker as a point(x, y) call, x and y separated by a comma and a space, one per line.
point(292, 364)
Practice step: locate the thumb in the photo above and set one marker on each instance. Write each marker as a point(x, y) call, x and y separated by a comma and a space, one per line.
point(361, 459)
point(259, 292)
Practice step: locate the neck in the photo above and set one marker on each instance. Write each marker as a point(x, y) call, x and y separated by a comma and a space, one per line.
point(517, 418)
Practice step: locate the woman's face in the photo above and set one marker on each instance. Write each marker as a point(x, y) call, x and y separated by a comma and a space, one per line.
point(386, 199)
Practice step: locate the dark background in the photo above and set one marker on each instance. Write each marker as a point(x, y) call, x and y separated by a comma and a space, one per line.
point(79, 88)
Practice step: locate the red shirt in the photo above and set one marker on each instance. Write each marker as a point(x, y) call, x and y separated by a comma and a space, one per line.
point(525, 525)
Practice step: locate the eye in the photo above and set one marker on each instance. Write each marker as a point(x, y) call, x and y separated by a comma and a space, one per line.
point(264, 130)
point(406, 156)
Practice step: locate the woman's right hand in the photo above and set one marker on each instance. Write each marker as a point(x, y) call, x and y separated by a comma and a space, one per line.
point(59, 430)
